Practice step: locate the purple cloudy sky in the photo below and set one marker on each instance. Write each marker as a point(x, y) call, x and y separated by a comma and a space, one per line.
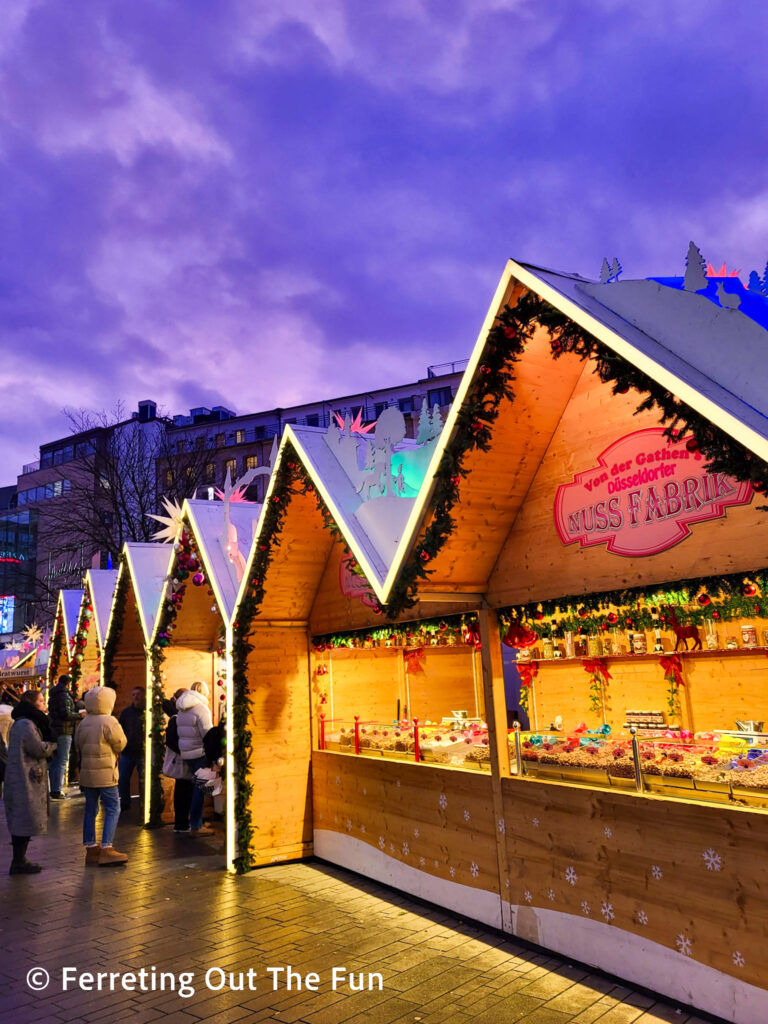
point(254, 204)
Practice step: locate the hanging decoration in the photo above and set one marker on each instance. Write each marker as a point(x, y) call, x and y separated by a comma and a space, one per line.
point(642, 607)
point(443, 632)
point(673, 673)
point(170, 522)
point(598, 684)
point(414, 660)
point(527, 670)
point(116, 621)
point(80, 641)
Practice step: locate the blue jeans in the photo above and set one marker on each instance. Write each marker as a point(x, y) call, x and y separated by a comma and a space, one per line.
point(198, 796)
point(125, 769)
point(110, 803)
point(59, 763)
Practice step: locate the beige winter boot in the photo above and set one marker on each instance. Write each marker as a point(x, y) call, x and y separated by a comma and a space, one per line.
point(109, 855)
point(92, 854)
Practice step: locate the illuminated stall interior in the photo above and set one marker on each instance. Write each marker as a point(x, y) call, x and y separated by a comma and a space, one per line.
point(91, 627)
point(190, 634)
point(62, 631)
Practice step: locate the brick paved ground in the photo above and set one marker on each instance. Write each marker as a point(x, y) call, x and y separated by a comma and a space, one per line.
point(174, 908)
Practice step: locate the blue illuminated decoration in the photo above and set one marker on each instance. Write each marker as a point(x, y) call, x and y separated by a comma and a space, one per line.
point(7, 609)
point(753, 305)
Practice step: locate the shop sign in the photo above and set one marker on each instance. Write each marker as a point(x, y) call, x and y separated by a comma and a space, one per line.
point(643, 496)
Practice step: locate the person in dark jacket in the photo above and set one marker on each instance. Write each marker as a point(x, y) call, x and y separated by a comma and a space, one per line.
point(63, 718)
point(30, 745)
point(132, 758)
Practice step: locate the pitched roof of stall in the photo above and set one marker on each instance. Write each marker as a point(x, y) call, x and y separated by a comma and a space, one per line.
point(674, 336)
point(207, 519)
point(710, 357)
point(101, 585)
point(69, 607)
point(148, 566)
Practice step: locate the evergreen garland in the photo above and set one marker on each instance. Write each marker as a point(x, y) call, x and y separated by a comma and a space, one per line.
point(415, 632)
point(80, 639)
point(695, 600)
point(58, 643)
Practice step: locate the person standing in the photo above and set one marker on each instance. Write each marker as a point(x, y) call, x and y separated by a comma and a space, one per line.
point(30, 745)
point(193, 720)
point(132, 758)
point(5, 727)
point(63, 717)
point(99, 740)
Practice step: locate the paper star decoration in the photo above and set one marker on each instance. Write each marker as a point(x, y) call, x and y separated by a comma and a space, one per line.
point(170, 522)
point(33, 634)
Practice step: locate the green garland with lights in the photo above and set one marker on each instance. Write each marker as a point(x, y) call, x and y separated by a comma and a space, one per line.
point(720, 598)
point(58, 643)
point(415, 633)
point(80, 639)
point(494, 381)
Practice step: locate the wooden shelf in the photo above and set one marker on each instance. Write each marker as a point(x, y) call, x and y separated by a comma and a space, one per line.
point(720, 653)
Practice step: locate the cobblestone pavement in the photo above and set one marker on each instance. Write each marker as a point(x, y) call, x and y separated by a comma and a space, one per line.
point(174, 909)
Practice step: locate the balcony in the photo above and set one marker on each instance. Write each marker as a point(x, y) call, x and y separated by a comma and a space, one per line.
point(31, 467)
point(442, 369)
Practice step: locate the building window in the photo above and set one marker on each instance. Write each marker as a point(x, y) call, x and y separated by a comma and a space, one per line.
point(405, 404)
point(379, 408)
point(181, 446)
point(210, 473)
point(170, 478)
point(199, 443)
point(239, 437)
point(251, 462)
point(46, 459)
point(220, 440)
point(313, 420)
point(230, 466)
point(83, 449)
point(439, 396)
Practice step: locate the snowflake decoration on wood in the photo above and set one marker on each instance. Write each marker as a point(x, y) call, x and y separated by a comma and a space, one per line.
point(535, 822)
point(349, 824)
point(452, 872)
point(642, 917)
point(391, 847)
point(170, 521)
point(570, 875)
point(606, 909)
point(684, 944)
point(406, 849)
point(607, 832)
point(338, 780)
point(713, 860)
point(656, 871)
point(550, 895)
point(422, 862)
point(466, 815)
point(502, 826)
point(416, 833)
point(738, 959)
point(362, 828)
point(382, 842)
point(585, 907)
point(527, 896)
point(443, 801)
point(474, 869)
point(397, 782)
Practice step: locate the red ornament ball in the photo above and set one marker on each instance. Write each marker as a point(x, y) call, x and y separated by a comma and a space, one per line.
point(749, 590)
point(425, 556)
point(704, 599)
point(621, 389)
point(539, 616)
point(611, 618)
point(715, 614)
point(692, 444)
point(582, 612)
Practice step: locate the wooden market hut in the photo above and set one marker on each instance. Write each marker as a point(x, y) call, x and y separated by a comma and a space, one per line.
point(192, 631)
point(507, 526)
point(91, 627)
point(62, 632)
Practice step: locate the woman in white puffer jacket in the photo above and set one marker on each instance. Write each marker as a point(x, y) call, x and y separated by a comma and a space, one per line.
point(193, 720)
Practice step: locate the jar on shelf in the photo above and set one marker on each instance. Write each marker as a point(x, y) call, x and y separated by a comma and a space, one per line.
point(570, 647)
point(765, 638)
point(731, 643)
point(710, 635)
point(548, 648)
point(594, 647)
point(748, 635)
point(639, 643)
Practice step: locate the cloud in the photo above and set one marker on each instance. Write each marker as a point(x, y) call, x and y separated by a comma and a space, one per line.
point(253, 204)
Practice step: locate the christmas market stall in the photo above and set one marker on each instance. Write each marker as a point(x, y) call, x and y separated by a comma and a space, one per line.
point(191, 636)
point(90, 629)
point(597, 501)
point(141, 578)
point(312, 654)
point(62, 633)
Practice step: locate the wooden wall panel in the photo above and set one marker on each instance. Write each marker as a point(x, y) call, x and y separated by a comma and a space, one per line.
point(452, 680)
point(534, 564)
point(438, 820)
point(281, 745)
point(685, 875)
point(368, 683)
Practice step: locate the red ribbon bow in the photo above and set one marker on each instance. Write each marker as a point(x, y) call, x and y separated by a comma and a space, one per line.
point(596, 667)
point(413, 658)
point(673, 667)
point(528, 672)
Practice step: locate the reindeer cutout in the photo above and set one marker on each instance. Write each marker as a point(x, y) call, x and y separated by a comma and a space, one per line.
point(683, 633)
